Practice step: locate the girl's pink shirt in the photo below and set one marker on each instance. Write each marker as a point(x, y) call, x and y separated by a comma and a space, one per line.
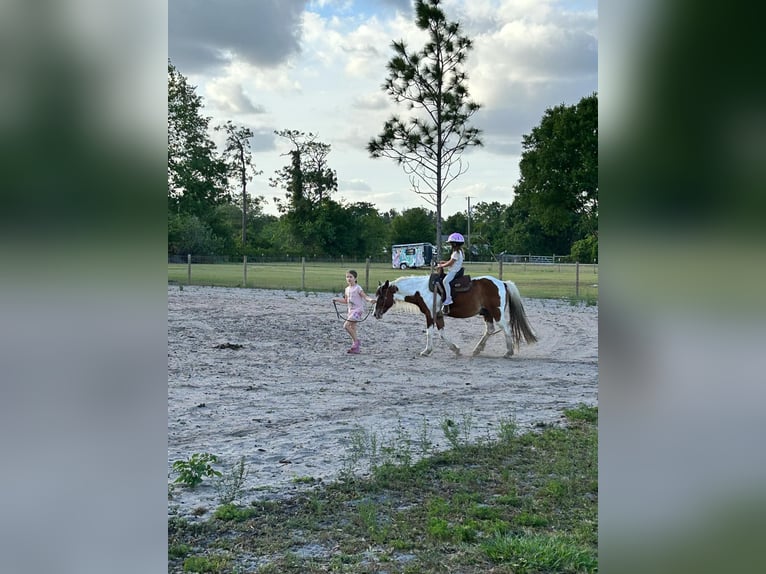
point(354, 298)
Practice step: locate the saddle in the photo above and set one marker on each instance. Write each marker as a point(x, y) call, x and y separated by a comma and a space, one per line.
point(459, 284)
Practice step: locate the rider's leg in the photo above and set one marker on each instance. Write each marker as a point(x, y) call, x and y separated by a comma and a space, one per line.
point(447, 289)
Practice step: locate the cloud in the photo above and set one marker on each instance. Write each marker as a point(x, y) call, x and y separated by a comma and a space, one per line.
point(370, 102)
point(528, 56)
point(262, 140)
point(206, 34)
point(353, 185)
point(229, 97)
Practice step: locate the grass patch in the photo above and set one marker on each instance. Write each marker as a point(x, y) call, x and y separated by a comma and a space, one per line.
point(541, 553)
point(233, 512)
point(514, 504)
point(214, 564)
point(539, 281)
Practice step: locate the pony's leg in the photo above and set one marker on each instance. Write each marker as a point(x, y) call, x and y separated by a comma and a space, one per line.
point(508, 339)
point(509, 344)
point(451, 345)
point(429, 342)
point(488, 330)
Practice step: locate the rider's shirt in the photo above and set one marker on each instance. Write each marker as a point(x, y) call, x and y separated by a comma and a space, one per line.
point(457, 265)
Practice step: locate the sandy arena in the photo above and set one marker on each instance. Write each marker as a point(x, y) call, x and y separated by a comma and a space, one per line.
point(265, 375)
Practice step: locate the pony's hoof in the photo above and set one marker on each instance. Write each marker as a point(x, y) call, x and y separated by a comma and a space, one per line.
point(426, 353)
point(508, 355)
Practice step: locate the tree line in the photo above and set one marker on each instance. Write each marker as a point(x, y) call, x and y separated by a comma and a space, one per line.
point(554, 209)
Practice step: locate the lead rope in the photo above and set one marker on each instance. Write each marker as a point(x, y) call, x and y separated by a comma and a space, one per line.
point(369, 310)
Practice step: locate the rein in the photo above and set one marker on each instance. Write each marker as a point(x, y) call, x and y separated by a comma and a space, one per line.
point(369, 310)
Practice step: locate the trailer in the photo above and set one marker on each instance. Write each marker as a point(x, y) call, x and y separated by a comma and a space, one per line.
point(411, 255)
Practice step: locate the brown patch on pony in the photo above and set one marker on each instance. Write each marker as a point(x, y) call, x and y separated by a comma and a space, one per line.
point(483, 299)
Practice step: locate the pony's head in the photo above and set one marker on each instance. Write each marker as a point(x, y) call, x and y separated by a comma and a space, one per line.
point(384, 298)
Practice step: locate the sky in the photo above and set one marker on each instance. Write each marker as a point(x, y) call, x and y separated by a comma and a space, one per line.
point(318, 65)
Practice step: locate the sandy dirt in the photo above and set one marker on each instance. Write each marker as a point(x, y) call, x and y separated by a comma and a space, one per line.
point(265, 375)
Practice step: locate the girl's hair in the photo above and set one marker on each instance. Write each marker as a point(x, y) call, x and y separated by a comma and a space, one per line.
point(352, 272)
point(456, 246)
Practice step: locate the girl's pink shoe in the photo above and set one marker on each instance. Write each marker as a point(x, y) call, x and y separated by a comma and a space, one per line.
point(355, 347)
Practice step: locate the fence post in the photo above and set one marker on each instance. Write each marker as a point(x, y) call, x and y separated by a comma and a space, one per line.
point(188, 271)
point(245, 266)
point(367, 276)
point(500, 269)
point(303, 273)
point(577, 279)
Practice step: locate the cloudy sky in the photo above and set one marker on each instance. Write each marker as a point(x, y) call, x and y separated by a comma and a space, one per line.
point(317, 66)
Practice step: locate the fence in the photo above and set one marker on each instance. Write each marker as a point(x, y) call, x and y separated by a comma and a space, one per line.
point(534, 279)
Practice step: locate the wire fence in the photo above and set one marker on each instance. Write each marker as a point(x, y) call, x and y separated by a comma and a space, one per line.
point(534, 279)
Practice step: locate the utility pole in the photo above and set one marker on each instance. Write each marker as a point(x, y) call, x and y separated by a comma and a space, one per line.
point(468, 238)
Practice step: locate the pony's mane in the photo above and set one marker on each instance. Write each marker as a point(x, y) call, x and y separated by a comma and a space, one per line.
point(404, 307)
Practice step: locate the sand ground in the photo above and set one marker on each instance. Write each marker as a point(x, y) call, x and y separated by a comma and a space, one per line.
point(264, 375)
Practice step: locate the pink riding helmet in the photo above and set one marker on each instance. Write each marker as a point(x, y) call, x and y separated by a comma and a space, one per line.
point(455, 238)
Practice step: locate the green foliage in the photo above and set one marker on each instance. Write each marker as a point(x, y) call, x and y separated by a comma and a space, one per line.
point(189, 234)
point(234, 513)
point(414, 225)
point(196, 175)
point(191, 472)
point(488, 229)
point(178, 550)
point(212, 564)
point(585, 250)
point(582, 413)
point(229, 485)
point(457, 433)
point(557, 196)
point(541, 553)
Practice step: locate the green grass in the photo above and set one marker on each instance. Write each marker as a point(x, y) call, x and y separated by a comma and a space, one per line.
point(515, 504)
point(555, 281)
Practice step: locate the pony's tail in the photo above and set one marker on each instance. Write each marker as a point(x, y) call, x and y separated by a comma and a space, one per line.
point(517, 316)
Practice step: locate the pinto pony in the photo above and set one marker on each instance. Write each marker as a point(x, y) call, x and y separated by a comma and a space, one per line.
point(495, 300)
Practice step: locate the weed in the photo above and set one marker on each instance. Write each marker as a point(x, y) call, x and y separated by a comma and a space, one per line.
point(508, 431)
point(229, 485)
point(508, 500)
point(458, 434)
point(234, 513)
point(527, 519)
point(205, 564)
point(541, 553)
point(178, 550)
point(582, 413)
point(192, 471)
point(424, 439)
point(303, 480)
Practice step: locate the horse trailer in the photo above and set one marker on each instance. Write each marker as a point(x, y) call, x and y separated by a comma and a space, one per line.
point(411, 255)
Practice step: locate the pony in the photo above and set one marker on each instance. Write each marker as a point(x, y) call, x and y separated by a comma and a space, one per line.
point(495, 300)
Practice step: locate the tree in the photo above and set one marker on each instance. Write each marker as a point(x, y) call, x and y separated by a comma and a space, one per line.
point(196, 176)
point(430, 144)
point(371, 234)
point(308, 182)
point(488, 227)
point(308, 177)
point(188, 234)
point(414, 225)
point(239, 161)
point(556, 199)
